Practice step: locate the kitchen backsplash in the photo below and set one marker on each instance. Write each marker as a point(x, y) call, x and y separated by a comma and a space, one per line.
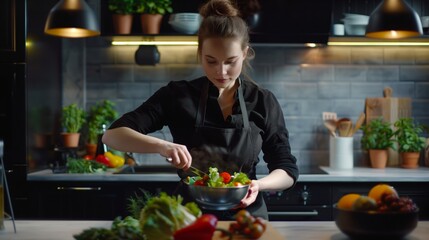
point(306, 81)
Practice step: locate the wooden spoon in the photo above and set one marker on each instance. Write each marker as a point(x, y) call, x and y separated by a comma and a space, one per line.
point(358, 124)
point(344, 126)
point(331, 125)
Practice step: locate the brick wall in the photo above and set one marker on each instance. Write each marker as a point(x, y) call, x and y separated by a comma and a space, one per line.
point(306, 81)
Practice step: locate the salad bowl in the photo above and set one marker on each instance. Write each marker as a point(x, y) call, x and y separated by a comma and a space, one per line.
point(217, 198)
point(218, 190)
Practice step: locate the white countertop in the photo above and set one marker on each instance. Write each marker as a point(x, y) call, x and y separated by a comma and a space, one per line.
point(64, 230)
point(357, 174)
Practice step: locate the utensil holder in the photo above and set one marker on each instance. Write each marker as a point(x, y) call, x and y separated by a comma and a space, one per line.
point(341, 152)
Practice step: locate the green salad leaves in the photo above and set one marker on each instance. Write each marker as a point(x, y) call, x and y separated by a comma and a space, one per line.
point(216, 179)
point(165, 214)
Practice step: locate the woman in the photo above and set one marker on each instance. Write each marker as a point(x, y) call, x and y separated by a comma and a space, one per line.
point(219, 109)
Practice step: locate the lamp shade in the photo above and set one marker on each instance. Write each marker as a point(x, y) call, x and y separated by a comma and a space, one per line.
point(394, 19)
point(72, 19)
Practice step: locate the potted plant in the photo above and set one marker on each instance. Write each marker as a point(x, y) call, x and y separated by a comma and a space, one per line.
point(377, 138)
point(123, 11)
point(410, 142)
point(151, 13)
point(102, 113)
point(72, 120)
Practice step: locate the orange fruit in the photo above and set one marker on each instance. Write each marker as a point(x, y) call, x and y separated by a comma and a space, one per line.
point(346, 202)
point(379, 190)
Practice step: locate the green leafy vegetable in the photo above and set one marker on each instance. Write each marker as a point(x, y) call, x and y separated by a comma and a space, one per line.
point(95, 234)
point(240, 178)
point(214, 179)
point(137, 202)
point(128, 228)
point(163, 215)
point(121, 229)
point(77, 165)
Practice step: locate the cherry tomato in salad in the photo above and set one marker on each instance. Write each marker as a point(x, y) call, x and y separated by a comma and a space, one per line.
point(226, 177)
point(199, 182)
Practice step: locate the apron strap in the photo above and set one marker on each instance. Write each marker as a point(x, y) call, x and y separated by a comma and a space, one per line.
point(201, 114)
point(243, 106)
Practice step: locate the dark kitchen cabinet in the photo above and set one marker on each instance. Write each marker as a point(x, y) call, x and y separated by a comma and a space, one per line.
point(84, 200)
point(12, 30)
point(13, 97)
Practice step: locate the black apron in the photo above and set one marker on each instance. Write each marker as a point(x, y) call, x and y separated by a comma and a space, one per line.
point(240, 142)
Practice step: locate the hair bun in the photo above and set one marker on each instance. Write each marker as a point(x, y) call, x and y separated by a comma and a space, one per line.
point(223, 8)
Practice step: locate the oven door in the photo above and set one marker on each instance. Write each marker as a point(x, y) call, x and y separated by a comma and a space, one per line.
point(304, 202)
point(300, 213)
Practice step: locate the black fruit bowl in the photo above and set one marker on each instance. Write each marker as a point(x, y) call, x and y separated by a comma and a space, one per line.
point(375, 225)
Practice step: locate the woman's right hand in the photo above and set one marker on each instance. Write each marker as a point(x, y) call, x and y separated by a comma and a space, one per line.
point(179, 155)
point(128, 140)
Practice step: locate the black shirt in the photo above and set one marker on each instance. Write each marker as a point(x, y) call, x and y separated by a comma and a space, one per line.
point(176, 105)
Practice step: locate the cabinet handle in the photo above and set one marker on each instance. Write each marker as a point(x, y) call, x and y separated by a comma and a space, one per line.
point(79, 188)
point(311, 213)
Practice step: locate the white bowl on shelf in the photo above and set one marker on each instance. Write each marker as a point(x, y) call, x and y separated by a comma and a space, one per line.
point(355, 18)
point(187, 23)
point(355, 29)
point(355, 24)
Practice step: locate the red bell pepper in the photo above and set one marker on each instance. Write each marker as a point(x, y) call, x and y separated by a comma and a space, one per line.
point(103, 159)
point(202, 229)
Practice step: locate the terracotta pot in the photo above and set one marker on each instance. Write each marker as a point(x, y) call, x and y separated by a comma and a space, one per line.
point(378, 157)
point(91, 149)
point(42, 140)
point(122, 23)
point(410, 159)
point(151, 23)
point(70, 140)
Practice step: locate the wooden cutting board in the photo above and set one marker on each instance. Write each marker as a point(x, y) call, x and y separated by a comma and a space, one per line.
point(390, 109)
point(270, 233)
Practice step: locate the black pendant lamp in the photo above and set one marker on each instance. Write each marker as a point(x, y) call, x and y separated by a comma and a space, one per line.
point(394, 19)
point(72, 19)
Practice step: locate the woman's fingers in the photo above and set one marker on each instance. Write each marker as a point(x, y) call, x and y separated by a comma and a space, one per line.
point(179, 156)
point(251, 194)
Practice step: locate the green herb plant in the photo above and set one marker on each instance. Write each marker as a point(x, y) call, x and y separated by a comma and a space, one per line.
point(78, 165)
point(73, 118)
point(124, 7)
point(154, 6)
point(127, 228)
point(137, 202)
point(101, 113)
point(407, 134)
point(377, 135)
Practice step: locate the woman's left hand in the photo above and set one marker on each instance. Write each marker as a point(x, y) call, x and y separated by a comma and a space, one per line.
point(252, 193)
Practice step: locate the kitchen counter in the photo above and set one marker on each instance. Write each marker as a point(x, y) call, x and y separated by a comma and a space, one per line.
point(54, 230)
point(357, 174)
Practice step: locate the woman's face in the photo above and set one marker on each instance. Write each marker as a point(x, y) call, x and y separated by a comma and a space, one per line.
point(222, 61)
